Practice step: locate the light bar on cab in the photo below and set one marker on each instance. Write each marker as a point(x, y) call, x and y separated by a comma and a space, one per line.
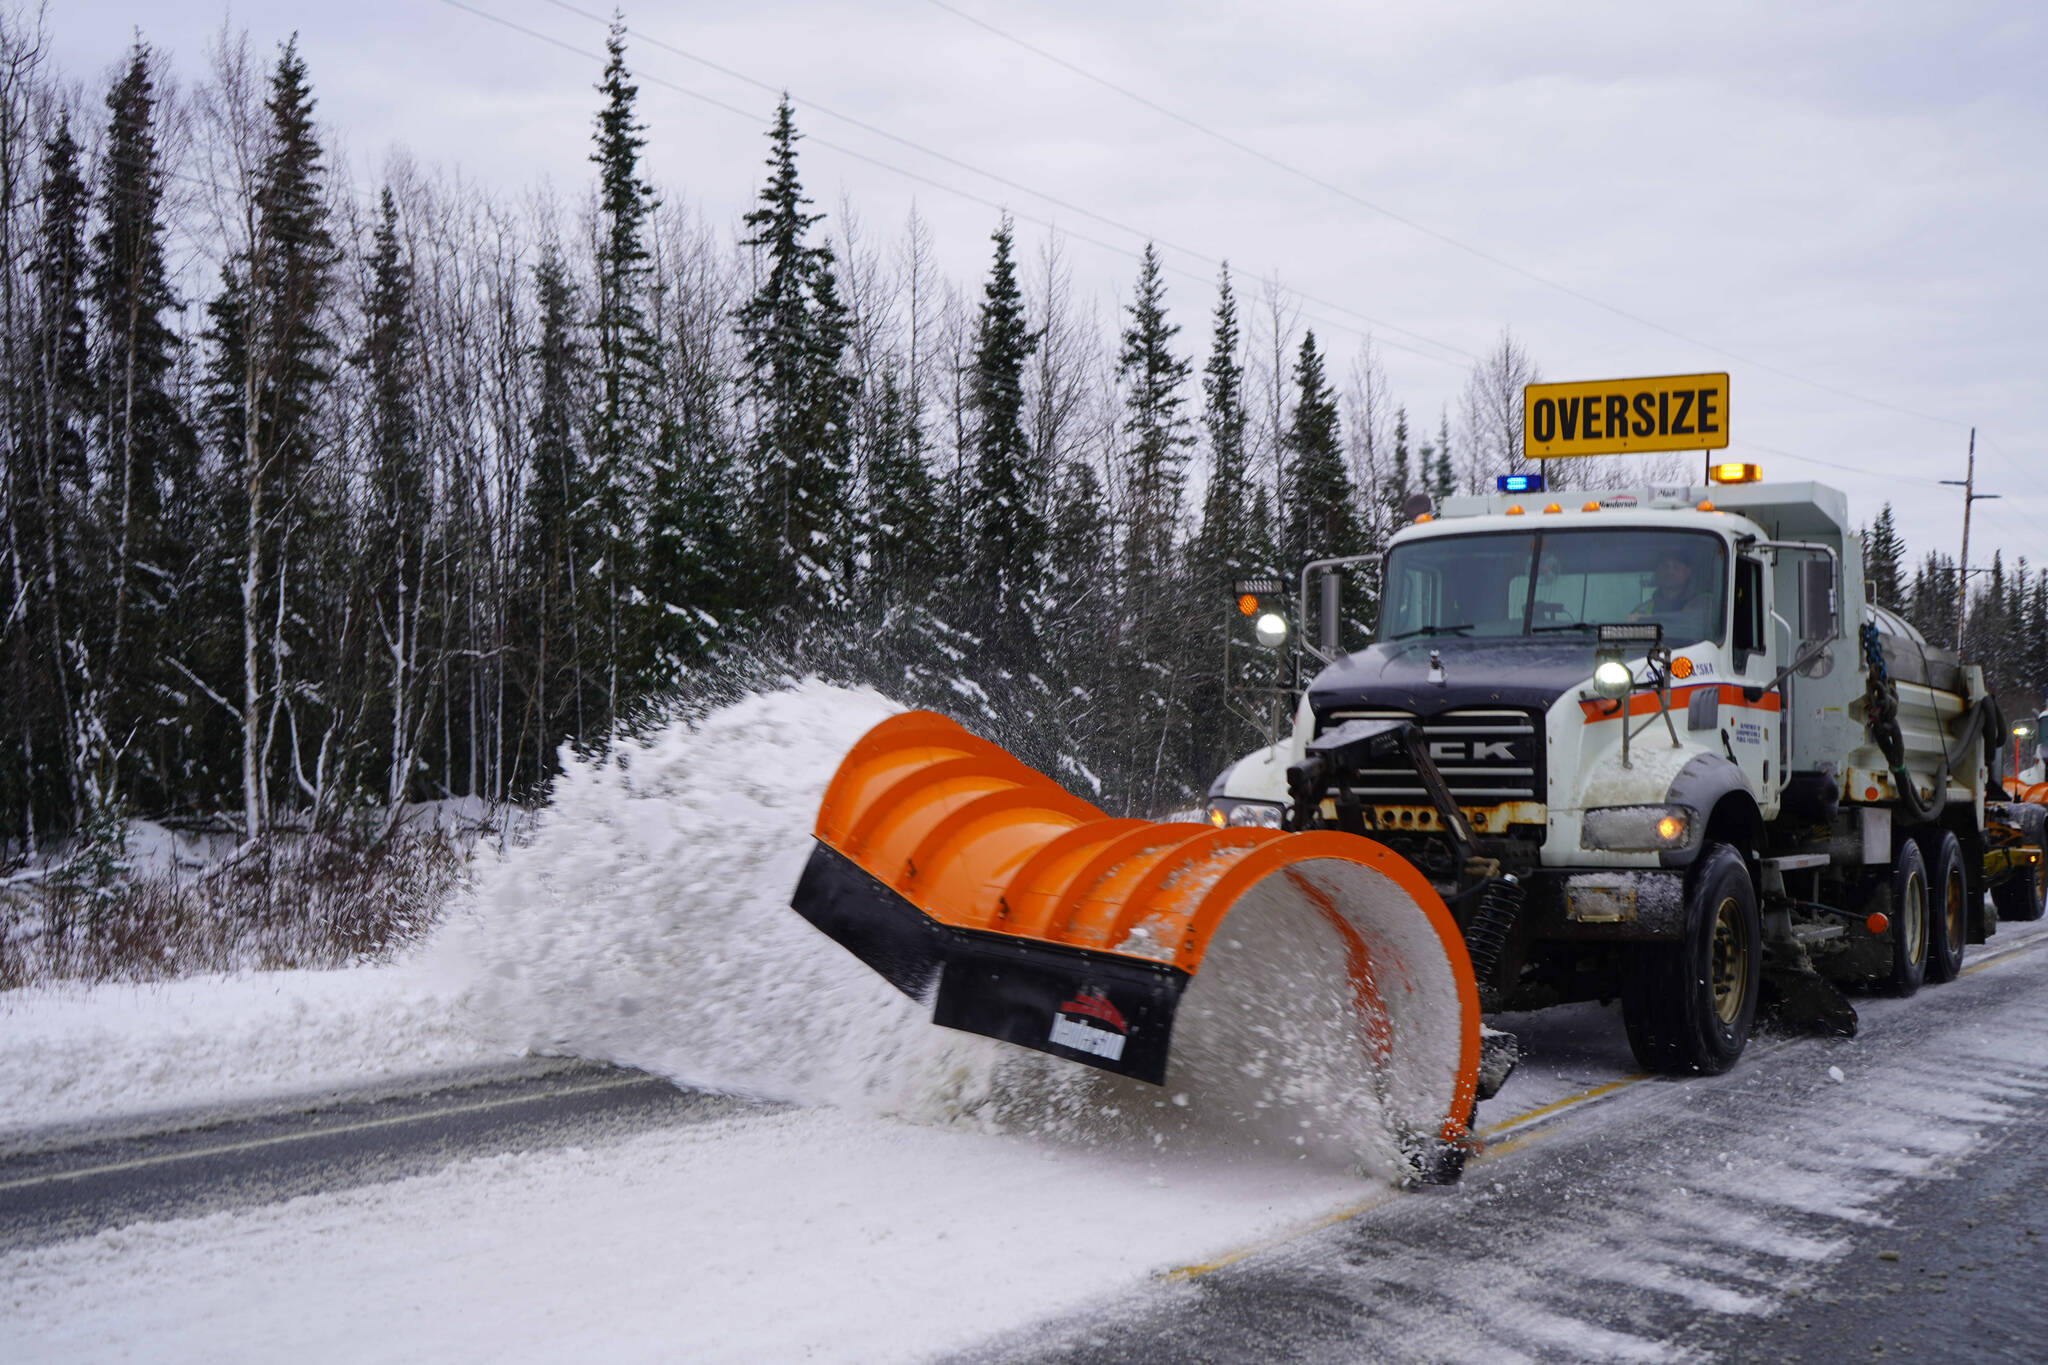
point(1519, 483)
point(1735, 473)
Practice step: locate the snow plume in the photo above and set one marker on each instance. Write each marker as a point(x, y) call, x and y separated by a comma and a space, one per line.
point(647, 923)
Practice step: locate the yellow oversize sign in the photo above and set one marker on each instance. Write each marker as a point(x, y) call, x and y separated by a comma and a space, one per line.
point(1625, 416)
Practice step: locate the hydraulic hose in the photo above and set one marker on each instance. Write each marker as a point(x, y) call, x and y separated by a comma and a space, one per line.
point(1881, 712)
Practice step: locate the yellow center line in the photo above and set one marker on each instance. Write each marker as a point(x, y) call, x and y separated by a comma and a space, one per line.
point(1568, 1102)
point(366, 1125)
point(2004, 955)
point(1489, 1152)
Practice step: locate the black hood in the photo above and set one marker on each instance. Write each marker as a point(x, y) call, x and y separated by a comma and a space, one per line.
point(1516, 670)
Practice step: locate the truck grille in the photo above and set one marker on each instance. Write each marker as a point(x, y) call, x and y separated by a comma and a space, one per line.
point(1486, 757)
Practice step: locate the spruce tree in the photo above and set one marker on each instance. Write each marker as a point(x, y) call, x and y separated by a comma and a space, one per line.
point(271, 360)
point(616, 449)
point(394, 546)
point(1443, 481)
point(1882, 553)
point(1221, 544)
point(902, 508)
point(61, 623)
point(554, 539)
point(149, 492)
point(1154, 426)
point(1394, 493)
point(1321, 521)
point(1008, 540)
point(794, 330)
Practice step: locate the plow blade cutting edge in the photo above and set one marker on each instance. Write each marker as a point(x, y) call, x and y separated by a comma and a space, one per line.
point(1023, 913)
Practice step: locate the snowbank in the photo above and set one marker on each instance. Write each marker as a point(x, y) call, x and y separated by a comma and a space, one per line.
point(76, 1054)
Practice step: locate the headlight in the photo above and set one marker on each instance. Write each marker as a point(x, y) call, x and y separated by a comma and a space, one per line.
point(1263, 814)
point(1612, 680)
point(1271, 629)
point(1638, 829)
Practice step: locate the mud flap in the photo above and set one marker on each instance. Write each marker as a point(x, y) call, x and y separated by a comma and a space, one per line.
point(1797, 999)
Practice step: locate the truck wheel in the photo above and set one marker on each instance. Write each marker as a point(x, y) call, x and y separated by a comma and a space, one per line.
point(1948, 909)
point(2026, 897)
point(1689, 1005)
point(1909, 919)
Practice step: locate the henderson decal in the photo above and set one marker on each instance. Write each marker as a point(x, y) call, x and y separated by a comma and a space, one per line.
point(1625, 416)
point(1090, 1023)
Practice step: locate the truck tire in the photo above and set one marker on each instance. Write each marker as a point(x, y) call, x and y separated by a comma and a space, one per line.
point(2026, 897)
point(1689, 1005)
point(1909, 919)
point(1948, 904)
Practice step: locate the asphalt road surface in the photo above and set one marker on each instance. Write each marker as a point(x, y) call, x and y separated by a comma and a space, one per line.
point(73, 1183)
point(1775, 1213)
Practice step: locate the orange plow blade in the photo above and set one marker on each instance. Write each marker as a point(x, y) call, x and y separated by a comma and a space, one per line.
point(1025, 914)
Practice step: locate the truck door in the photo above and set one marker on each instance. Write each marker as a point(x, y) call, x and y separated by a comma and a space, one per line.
point(1749, 716)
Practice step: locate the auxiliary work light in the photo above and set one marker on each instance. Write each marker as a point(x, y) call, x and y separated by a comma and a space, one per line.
point(1612, 680)
point(1271, 629)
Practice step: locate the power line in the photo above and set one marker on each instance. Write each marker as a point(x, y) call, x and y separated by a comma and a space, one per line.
point(1381, 324)
point(1427, 231)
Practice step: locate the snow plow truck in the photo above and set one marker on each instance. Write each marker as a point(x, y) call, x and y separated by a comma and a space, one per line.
point(1654, 745)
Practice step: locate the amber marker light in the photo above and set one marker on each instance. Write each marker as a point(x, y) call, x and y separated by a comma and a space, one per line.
point(1705, 505)
point(1515, 510)
point(1590, 507)
point(1248, 605)
point(1552, 508)
point(1669, 828)
point(1424, 519)
point(1877, 923)
point(1681, 667)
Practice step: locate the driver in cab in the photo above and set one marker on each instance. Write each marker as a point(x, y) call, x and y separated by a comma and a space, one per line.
point(1679, 601)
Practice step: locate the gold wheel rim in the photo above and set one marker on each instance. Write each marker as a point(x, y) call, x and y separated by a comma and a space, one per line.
point(1915, 927)
point(1729, 970)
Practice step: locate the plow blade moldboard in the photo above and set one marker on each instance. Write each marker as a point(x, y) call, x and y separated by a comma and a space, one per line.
point(1025, 914)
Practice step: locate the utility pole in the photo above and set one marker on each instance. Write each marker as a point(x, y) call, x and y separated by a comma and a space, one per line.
point(1971, 497)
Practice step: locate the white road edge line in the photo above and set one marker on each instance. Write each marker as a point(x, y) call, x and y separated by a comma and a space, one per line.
point(367, 1125)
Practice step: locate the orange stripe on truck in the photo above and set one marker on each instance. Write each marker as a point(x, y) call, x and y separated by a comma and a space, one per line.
point(1645, 703)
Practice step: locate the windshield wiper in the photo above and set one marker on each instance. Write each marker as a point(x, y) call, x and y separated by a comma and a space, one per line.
point(1566, 625)
point(1459, 629)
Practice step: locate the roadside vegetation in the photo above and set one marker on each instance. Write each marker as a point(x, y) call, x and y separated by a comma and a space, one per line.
point(317, 500)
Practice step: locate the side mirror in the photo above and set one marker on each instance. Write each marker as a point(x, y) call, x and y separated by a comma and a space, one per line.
point(1332, 630)
point(1816, 600)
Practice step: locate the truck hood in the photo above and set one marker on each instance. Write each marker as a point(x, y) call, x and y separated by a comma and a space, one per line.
point(1517, 670)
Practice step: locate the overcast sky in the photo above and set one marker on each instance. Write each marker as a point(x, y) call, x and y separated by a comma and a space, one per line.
point(1843, 205)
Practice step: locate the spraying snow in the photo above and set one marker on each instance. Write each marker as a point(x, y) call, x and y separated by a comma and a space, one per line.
point(648, 923)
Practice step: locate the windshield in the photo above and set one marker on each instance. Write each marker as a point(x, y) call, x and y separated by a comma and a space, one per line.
point(1566, 581)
